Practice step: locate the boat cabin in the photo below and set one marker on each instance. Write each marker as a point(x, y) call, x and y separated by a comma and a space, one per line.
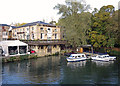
point(77, 55)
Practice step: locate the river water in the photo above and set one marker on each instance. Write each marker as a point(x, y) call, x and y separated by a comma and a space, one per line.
point(56, 70)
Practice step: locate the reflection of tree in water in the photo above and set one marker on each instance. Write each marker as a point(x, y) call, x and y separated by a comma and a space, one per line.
point(41, 70)
point(56, 70)
point(46, 69)
point(90, 73)
point(104, 72)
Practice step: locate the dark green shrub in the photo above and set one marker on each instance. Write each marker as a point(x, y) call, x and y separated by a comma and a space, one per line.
point(10, 59)
point(56, 54)
point(25, 57)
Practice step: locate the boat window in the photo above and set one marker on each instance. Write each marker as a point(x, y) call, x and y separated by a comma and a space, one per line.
point(78, 56)
point(82, 55)
point(75, 56)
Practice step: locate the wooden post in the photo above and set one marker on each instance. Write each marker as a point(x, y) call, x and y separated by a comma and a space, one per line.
point(18, 50)
point(92, 50)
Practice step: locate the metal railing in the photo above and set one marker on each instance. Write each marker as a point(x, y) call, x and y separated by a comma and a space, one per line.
point(44, 42)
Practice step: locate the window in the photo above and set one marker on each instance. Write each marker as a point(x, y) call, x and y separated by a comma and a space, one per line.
point(6, 33)
point(32, 36)
point(42, 47)
point(12, 50)
point(23, 49)
point(49, 29)
point(82, 55)
point(20, 36)
point(27, 37)
point(49, 49)
point(55, 46)
point(55, 36)
point(32, 28)
point(48, 38)
point(24, 36)
point(55, 30)
point(27, 29)
point(41, 35)
point(41, 28)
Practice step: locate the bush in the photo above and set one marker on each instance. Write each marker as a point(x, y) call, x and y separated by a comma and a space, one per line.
point(34, 56)
point(25, 57)
point(10, 59)
point(56, 54)
point(114, 53)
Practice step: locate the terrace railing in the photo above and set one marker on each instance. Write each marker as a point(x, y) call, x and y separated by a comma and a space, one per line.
point(44, 42)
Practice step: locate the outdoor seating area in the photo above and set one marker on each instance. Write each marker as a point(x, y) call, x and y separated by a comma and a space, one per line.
point(14, 47)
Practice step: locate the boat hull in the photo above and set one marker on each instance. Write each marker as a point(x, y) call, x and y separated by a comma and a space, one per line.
point(100, 59)
point(75, 60)
point(112, 58)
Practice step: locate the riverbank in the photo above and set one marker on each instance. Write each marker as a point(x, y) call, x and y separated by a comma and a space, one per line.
point(63, 52)
point(24, 57)
point(110, 51)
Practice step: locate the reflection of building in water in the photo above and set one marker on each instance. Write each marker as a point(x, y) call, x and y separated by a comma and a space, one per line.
point(76, 64)
point(41, 70)
point(102, 63)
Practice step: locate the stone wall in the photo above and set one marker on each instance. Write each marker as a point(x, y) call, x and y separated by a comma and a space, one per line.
point(43, 50)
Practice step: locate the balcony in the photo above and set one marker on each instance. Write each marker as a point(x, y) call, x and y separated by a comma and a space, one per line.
point(45, 42)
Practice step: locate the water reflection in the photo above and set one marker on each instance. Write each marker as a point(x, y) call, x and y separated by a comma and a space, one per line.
point(102, 63)
point(56, 70)
point(76, 64)
point(42, 70)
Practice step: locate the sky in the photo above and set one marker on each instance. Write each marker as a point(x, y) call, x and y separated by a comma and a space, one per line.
point(26, 11)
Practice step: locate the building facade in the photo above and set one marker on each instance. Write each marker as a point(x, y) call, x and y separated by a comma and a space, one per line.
point(4, 32)
point(43, 38)
point(36, 31)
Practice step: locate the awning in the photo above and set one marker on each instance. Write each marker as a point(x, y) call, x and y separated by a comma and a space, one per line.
point(12, 43)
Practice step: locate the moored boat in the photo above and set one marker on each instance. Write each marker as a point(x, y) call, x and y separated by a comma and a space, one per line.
point(76, 57)
point(100, 58)
point(103, 57)
point(111, 58)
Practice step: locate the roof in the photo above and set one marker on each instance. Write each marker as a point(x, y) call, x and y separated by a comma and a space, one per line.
point(12, 43)
point(4, 25)
point(35, 23)
point(77, 54)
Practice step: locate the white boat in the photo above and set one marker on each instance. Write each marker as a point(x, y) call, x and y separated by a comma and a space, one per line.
point(100, 58)
point(111, 58)
point(76, 57)
point(103, 58)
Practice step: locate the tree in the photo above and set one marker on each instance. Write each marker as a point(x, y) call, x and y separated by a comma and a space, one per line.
point(75, 21)
point(72, 7)
point(105, 23)
point(53, 22)
point(20, 24)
